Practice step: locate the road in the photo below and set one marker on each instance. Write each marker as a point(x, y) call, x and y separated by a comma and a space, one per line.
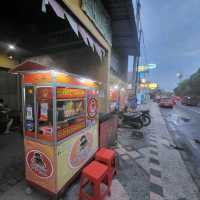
point(183, 123)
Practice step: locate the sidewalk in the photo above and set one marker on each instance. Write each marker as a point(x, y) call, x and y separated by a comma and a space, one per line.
point(149, 169)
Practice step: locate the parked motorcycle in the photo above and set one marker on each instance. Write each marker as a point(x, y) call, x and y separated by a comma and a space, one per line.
point(6, 116)
point(3, 121)
point(133, 120)
point(146, 117)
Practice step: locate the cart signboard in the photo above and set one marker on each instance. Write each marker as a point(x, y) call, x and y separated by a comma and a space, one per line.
point(74, 153)
point(68, 93)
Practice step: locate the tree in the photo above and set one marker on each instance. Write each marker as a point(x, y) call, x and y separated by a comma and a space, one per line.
point(189, 86)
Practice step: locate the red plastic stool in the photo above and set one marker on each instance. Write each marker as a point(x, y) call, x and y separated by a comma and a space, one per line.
point(107, 157)
point(95, 174)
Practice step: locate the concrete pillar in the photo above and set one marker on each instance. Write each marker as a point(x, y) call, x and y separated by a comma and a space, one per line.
point(103, 75)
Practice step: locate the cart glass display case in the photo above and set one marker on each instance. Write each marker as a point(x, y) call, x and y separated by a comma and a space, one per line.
point(60, 126)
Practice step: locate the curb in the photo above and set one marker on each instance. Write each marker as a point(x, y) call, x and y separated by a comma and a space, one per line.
point(156, 188)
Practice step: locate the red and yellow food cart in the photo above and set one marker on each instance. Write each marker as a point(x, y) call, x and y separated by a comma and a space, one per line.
point(60, 125)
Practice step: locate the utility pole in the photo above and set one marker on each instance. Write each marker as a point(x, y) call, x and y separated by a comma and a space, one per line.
point(137, 58)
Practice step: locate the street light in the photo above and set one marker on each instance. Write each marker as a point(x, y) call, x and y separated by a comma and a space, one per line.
point(11, 47)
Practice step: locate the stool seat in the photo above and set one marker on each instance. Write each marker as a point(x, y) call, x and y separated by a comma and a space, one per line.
point(107, 157)
point(94, 175)
point(105, 154)
point(95, 170)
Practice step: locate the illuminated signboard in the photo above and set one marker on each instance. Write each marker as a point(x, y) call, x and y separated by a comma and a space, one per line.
point(68, 93)
point(152, 86)
point(145, 68)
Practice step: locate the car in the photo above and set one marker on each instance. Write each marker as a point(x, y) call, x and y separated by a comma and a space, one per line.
point(190, 101)
point(175, 99)
point(166, 102)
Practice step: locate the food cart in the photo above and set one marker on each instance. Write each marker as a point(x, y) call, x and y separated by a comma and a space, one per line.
point(60, 125)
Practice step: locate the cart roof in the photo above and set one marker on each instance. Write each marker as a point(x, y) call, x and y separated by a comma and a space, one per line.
point(29, 66)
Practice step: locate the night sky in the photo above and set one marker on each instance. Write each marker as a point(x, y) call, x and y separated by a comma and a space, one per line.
point(172, 38)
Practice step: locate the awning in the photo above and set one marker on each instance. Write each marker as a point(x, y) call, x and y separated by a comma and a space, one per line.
point(75, 25)
point(124, 28)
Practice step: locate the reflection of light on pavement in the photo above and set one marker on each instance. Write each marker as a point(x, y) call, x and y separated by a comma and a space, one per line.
point(172, 127)
point(196, 109)
point(175, 119)
point(193, 144)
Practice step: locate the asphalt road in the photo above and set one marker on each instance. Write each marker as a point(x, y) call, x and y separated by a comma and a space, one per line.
point(183, 123)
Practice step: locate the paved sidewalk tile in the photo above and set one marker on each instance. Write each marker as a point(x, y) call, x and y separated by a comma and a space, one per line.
point(134, 154)
point(153, 146)
point(155, 172)
point(155, 180)
point(154, 152)
point(120, 151)
point(125, 157)
point(156, 167)
point(156, 189)
point(118, 192)
point(154, 196)
point(154, 161)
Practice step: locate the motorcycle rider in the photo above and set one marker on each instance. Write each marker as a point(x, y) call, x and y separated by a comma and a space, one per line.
point(4, 113)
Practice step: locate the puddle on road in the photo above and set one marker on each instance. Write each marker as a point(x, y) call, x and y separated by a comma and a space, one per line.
point(185, 119)
point(177, 119)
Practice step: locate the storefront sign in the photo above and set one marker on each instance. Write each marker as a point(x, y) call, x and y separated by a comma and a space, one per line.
point(69, 93)
point(97, 13)
point(81, 150)
point(152, 86)
point(145, 68)
point(39, 163)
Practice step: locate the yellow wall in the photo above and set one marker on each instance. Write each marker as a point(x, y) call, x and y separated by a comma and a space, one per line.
point(75, 7)
point(5, 62)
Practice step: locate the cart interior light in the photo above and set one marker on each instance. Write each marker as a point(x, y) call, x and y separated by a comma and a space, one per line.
point(85, 80)
point(11, 47)
point(30, 91)
point(55, 72)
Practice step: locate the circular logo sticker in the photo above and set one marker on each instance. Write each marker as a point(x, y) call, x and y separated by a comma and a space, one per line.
point(39, 163)
point(92, 108)
point(81, 150)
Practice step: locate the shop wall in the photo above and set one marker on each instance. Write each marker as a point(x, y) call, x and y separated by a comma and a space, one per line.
point(10, 90)
point(5, 62)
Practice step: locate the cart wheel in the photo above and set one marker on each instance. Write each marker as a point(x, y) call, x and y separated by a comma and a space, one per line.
point(28, 191)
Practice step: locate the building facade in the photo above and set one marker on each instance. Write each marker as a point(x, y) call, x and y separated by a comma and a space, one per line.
point(92, 38)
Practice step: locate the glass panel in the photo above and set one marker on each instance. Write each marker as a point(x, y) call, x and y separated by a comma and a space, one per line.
point(44, 114)
point(29, 112)
point(71, 115)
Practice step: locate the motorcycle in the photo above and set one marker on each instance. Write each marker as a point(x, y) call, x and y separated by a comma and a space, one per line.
point(133, 120)
point(9, 116)
point(146, 117)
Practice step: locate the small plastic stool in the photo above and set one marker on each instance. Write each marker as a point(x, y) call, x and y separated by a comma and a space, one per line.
point(95, 174)
point(107, 157)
